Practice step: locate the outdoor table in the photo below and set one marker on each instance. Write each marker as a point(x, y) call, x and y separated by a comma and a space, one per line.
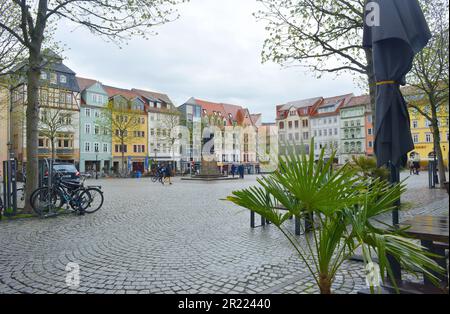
point(432, 231)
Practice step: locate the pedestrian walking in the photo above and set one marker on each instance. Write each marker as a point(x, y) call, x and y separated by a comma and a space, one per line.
point(168, 173)
point(417, 163)
point(233, 170)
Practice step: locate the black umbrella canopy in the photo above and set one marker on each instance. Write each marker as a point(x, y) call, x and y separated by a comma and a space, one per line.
point(396, 34)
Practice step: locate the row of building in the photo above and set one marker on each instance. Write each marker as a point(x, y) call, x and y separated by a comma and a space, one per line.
point(142, 128)
point(138, 133)
point(344, 124)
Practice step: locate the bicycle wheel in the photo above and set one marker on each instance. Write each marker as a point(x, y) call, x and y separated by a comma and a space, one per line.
point(91, 200)
point(45, 201)
point(154, 179)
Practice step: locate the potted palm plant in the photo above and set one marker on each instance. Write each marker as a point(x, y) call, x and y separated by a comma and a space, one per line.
point(344, 206)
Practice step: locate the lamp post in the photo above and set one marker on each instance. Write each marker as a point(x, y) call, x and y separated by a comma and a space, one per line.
point(96, 166)
point(155, 151)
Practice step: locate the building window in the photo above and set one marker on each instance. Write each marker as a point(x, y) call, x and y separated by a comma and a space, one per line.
point(96, 130)
point(416, 138)
point(121, 148)
point(87, 128)
point(53, 78)
point(87, 147)
point(290, 124)
point(281, 125)
point(305, 135)
point(105, 148)
point(428, 138)
point(296, 124)
point(369, 131)
point(415, 124)
point(370, 144)
point(43, 76)
point(63, 79)
point(96, 147)
point(87, 112)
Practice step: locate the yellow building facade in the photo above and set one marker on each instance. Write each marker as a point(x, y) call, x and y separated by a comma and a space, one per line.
point(134, 122)
point(422, 133)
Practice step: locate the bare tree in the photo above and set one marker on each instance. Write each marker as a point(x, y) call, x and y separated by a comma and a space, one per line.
point(429, 75)
point(170, 120)
point(116, 20)
point(12, 52)
point(322, 35)
point(119, 120)
point(53, 122)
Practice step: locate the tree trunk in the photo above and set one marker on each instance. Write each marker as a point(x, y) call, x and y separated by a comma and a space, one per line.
point(372, 83)
point(437, 141)
point(324, 284)
point(439, 156)
point(123, 157)
point(53, 149)
point(32, 120)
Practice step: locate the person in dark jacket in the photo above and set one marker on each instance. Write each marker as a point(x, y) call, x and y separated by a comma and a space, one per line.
point(168, 173)
point(233, 170)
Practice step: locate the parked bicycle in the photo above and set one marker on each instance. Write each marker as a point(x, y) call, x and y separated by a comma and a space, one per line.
point(48, 201)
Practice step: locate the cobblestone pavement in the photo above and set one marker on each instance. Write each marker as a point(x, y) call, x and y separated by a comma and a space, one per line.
point(150, 238)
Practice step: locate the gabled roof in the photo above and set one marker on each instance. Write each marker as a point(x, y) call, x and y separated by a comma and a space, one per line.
point(149, 95)
point(300, 103)
point(358, 101)
point(114, 91)
point(228, 112)
point(341, 101)
point(256, 118)
point(85, 83)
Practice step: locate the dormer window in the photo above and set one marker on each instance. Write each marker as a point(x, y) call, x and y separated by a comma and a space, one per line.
point(63, 79)
point(43, 75)
point(53, 78)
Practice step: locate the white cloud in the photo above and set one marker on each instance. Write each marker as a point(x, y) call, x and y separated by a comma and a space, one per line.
point(212, 52)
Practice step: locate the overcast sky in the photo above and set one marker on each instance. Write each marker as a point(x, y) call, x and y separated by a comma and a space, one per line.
point(212, 52)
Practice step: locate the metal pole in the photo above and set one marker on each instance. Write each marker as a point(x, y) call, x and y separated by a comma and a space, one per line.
point(395, 179)
point(96, 167)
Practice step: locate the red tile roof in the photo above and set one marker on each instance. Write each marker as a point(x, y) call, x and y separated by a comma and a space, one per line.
point(239, 114)
point(358, 101)
point(84, 83)
point(114, 91)
point(342, 99)
point(149, 94)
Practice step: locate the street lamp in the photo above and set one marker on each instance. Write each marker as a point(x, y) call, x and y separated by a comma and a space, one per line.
point(10, 153)
point(96, 166)
point(155, 151)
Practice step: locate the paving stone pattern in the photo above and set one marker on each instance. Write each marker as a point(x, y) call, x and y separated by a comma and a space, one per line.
point(150, 238)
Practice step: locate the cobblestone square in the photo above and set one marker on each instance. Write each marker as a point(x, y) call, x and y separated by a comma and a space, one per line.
point(183, 238)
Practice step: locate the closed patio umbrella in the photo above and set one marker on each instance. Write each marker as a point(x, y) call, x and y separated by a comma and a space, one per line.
point(396, 33)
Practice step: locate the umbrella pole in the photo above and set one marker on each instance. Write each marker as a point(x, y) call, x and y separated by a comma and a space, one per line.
point(395, 179)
